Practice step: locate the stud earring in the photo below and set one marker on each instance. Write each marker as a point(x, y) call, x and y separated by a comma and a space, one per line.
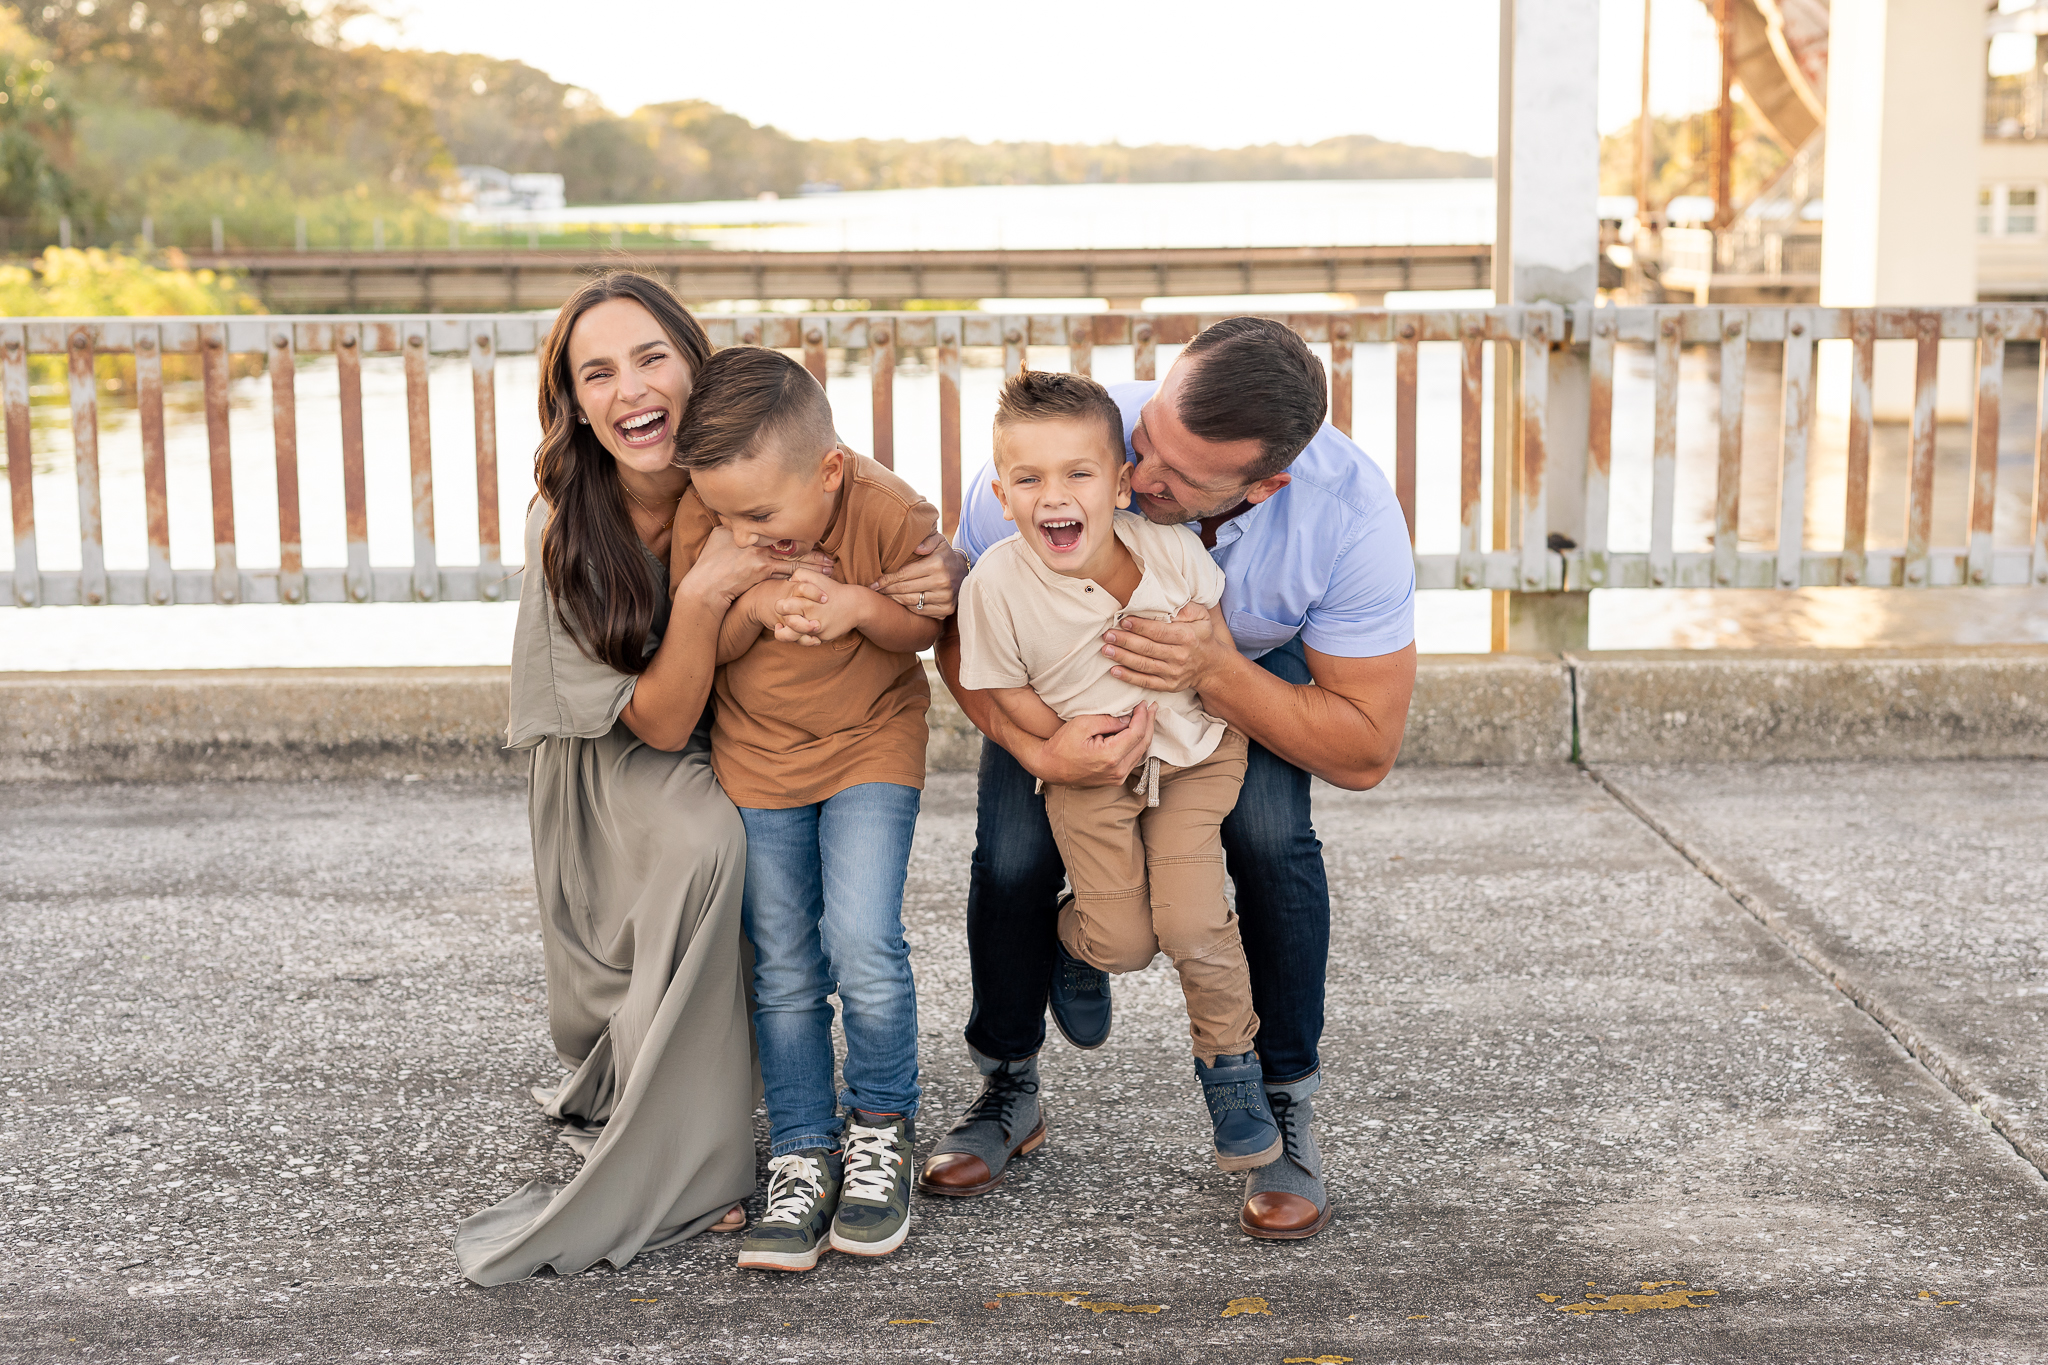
point(582, 420)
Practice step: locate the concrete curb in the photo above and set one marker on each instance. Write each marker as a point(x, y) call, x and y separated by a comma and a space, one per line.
point(1981, 701)
point(1468, 709)
point(254, 723)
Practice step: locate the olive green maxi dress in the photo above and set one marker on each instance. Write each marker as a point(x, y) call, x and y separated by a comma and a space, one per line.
point(639, 858)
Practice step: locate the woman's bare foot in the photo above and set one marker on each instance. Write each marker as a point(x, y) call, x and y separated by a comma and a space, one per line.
point(735, 1220)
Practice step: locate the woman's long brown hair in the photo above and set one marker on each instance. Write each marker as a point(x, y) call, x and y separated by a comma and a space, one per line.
point(590, 554)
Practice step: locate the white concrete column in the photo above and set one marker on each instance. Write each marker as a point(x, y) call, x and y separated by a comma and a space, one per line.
point(1546, 250)
point(1904, 133)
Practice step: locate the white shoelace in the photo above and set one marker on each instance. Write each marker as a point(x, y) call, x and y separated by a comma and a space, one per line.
point(787, 1201)
point(875, 1150)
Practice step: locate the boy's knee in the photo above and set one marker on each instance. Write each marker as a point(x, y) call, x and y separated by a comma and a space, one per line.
point(1118, 941)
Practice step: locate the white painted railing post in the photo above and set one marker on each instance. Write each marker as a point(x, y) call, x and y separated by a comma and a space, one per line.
point(1546, 251)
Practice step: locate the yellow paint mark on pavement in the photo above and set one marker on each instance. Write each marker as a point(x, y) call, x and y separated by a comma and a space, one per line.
point(1315, 1360)
point(911, 1322)
point(1418, 1317)
point(643, 1300)
point(1655, 1295)
point(1550, 1298)
point(1082, 1298)
point(1241, 1307)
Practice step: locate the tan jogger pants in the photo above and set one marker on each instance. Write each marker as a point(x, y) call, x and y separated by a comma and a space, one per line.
point(1150, 880)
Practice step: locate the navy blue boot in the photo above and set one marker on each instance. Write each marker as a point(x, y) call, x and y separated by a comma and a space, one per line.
point(1080, 1000)
point(1235, 1089)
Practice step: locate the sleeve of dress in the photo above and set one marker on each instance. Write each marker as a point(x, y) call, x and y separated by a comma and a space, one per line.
point(558, 691)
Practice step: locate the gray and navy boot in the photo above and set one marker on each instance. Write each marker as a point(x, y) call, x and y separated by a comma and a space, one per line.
point(1080, 1000)
point(1287, 1200)
point(1003, 1122)
point(1235, 1089)
point(874, 1201)
point(803, 1190)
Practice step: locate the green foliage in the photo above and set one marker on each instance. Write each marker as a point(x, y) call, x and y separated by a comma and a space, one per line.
point(95, 283)
point(184, 172)
point(1681, 157)
point(35, 130)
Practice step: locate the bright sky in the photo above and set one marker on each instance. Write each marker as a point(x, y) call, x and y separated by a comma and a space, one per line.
point(1200, 72)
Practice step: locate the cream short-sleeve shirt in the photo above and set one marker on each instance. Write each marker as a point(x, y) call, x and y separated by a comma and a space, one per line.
point(1022, 625)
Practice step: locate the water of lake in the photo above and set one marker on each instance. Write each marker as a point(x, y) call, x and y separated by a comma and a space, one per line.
point(1053, 217)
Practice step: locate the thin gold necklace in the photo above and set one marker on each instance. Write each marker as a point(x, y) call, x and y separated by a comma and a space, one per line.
point(649, 510)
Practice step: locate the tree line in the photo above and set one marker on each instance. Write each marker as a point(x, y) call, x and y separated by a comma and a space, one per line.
point(257, 113)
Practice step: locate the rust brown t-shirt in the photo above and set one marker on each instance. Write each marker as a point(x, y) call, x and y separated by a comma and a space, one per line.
point(795, 724)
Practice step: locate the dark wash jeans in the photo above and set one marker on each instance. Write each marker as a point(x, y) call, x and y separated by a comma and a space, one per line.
point(1273, 855)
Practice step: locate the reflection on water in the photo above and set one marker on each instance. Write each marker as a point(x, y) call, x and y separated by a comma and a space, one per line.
point(1447, 621)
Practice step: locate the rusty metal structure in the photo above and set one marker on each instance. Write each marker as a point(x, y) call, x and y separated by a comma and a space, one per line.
point(1514, 549)
point(488, 279)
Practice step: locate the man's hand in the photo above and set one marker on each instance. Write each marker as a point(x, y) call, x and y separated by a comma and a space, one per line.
point(1171, 656)
point(929, 584)
point(1095, 751)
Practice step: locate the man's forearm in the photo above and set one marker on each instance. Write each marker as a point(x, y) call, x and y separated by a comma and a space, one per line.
point(891, 626)
point(1309, 726)
point(981, 708)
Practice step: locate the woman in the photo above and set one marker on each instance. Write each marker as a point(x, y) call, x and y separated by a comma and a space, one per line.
point(638, 855)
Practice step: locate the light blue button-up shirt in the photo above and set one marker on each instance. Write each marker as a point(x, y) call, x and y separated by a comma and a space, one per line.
point(1325, 558)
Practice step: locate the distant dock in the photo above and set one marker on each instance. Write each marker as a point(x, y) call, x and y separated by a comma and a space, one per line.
point(489, 280)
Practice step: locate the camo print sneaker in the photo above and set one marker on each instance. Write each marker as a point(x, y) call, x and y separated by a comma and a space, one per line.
point(803, 1191)
point(874, 1203)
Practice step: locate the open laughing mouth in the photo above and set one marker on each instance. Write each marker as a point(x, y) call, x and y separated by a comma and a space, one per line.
point(785, 549)
point(1062, 535)
point(643, 428)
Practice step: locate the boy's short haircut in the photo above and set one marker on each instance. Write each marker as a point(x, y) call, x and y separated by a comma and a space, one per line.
point(1046, 396)
point(748, 400)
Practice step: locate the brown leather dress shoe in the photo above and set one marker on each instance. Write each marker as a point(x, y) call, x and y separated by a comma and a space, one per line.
point(961, 1174)
point(1281, 1217)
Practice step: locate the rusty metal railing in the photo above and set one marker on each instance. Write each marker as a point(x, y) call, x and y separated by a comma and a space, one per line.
point(1518, 551)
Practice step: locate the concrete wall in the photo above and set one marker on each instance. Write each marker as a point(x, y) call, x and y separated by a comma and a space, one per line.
point(1984, 701)
point(1656, 707)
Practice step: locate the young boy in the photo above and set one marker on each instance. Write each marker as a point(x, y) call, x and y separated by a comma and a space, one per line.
point(1144, 861)
point(819, 738)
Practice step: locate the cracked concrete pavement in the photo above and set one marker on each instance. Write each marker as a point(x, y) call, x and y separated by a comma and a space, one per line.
point(262, 1043)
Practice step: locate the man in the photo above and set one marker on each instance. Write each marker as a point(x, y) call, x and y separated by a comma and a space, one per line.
point(1310, 653)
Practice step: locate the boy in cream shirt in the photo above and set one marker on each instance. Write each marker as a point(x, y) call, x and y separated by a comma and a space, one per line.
point(1144, 861)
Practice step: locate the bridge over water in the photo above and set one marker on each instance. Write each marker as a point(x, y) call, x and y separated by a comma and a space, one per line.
point(487, 280)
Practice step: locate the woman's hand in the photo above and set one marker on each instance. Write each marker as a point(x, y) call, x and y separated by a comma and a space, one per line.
point(725, 569)
point(929, 584)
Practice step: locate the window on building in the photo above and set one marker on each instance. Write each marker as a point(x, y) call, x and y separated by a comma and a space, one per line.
point(2022, 213)
point(2011, 210)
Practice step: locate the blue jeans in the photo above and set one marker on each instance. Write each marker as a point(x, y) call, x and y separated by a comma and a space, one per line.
point(824, 910)
point(1274, 857)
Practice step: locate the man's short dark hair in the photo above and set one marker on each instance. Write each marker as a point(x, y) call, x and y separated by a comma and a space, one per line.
point(1046, 396)
point(1254, 379)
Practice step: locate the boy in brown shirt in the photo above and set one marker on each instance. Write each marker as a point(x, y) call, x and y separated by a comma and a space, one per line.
point(1145, 865)
point(819, 737)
